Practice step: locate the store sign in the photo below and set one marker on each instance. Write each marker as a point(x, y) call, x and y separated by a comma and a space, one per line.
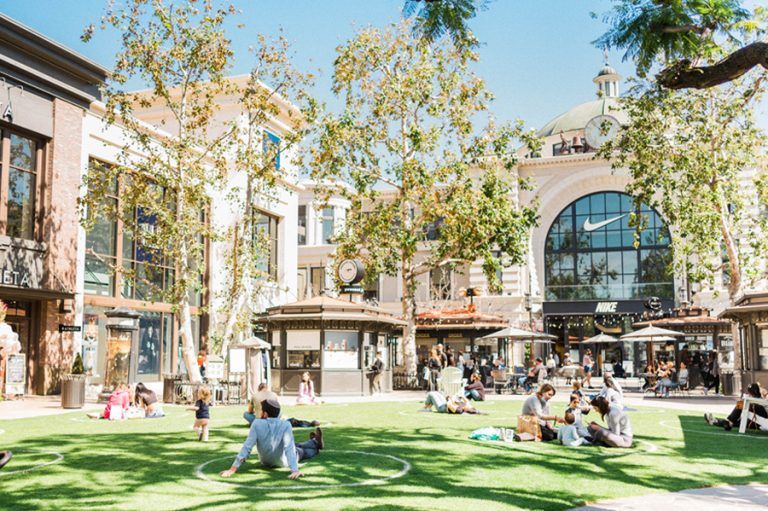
point(352, 290)
point(16, 374)
point(15, 277)
point(70, 328)
point(302, 340)
point(606, 307)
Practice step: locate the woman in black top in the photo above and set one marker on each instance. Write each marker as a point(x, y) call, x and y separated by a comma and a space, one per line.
point(147, 400)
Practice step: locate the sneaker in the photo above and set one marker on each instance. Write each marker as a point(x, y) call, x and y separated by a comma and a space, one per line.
point(319, 438)
point(200, 435)
point(5, 457)
point(709, 418)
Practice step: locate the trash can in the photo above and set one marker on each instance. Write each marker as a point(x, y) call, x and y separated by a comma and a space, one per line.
point(73, 391)
point(169, 387)
point(726, 379)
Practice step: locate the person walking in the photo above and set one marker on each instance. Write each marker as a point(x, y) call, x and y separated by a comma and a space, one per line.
point(377, 371)
point(587, 363)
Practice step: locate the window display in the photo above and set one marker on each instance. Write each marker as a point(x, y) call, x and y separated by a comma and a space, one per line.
point(341, 350)
point(303, 349)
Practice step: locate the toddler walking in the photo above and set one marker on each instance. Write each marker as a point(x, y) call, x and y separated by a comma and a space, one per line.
point(202, 413)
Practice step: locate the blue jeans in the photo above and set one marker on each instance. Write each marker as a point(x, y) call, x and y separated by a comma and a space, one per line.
point(472, 394)
point(249, 417)
point(307, 450)
point(433, 402)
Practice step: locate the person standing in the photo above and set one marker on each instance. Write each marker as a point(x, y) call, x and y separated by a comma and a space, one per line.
point(377, 371)
point(435, 367)
point(551, 366)
point(442, 356)
point(202, 356)
point(587, 363)
point(273, 439)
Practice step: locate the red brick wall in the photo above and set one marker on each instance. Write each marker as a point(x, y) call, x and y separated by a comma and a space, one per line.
point(59, 232)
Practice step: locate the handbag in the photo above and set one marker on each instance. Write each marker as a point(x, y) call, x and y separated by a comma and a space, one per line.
point(529, 424)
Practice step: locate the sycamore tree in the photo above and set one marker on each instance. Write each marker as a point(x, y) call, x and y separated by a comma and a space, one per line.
point(166, 179)
point(699, 43)
point(410, 142)
point(694, 156)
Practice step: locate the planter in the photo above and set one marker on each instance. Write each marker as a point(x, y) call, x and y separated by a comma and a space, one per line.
point(73, 391)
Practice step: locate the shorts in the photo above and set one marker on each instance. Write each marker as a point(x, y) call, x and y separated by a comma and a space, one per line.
point(587, 369)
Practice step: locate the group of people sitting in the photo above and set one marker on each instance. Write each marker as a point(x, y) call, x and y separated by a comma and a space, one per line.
point(572, 431)
point(667, 378)
point(122, 404)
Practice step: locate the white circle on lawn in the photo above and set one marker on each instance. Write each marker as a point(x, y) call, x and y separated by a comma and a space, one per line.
point(2, 431)
point(58, 455)
point(406, 468)
point(665, 424)
point(428, 414)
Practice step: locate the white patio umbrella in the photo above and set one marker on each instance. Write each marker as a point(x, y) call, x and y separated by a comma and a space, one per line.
point(518, 334)
point(651, 334)
point(600, 338)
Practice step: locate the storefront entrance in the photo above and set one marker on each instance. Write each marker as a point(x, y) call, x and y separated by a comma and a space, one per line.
point(19, 317)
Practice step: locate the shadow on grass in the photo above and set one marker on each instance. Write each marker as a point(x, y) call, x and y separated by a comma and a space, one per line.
point(104, 470)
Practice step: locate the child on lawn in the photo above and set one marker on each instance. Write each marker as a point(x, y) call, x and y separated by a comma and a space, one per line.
point(202, 413)
point(568, 434)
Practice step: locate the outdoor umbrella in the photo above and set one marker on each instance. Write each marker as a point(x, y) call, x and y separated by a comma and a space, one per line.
point(600, 338)
point(651, 333)
point(518, 334)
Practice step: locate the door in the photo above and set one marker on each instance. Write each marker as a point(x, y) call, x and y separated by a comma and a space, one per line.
point(19, 317)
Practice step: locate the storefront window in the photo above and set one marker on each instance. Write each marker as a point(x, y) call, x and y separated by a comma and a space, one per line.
point(303, 349)
point(22, 188)
point(762, 350)
point(341, 350)
point(590, 252)
point(150, 331)
point(317, 279)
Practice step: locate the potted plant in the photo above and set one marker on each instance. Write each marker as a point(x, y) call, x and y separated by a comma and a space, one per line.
point(73, 386)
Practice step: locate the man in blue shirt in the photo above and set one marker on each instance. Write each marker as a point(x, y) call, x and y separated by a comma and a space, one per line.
point(273, 439)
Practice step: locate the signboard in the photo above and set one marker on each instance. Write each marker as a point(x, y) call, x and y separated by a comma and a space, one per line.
point(352, 290)
point(16, 373)
point(214, 368)
point(70, 328)
point(302, 340)
point(237, 360)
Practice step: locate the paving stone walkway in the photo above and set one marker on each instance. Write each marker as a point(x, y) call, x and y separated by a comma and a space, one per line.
point(720, 498)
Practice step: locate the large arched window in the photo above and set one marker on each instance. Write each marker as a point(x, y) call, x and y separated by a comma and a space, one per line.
point(590, 253)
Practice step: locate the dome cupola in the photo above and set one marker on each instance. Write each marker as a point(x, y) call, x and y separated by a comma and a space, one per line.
point(607, 81)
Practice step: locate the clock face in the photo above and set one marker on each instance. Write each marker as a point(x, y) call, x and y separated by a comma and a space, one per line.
point(601, 129)
point(347, 270)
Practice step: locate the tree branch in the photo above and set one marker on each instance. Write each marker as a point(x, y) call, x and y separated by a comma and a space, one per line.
point(683, 75)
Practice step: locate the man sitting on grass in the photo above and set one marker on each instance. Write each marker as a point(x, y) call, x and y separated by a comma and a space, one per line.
point(5, 457)
point(273, 439)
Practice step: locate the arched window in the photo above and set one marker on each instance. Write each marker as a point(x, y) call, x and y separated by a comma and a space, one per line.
point(590, 253)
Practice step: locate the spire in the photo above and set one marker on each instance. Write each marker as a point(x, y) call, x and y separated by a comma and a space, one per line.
point(607, 79)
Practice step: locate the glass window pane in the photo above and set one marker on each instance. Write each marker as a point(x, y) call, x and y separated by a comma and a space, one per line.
point(22, 153)
point(99, 278)
point(150, 327)
point(21, 204)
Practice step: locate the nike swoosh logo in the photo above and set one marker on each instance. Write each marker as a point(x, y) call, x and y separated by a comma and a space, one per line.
point(589, 227)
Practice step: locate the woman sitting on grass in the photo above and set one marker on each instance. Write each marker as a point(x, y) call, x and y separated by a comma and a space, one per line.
point(146, 399)
point(612, 391)
point(475, 390)
point(754, 390)
point(619, 430)
point(307, 391)
point(117, 405)
point(538, 405)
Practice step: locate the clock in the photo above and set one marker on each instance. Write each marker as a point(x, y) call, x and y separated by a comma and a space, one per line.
point(350, 271)
point(601, 129)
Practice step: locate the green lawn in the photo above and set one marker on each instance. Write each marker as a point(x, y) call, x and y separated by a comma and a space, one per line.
point(151, 464)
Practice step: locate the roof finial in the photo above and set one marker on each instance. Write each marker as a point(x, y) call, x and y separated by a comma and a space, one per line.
point(605, 55)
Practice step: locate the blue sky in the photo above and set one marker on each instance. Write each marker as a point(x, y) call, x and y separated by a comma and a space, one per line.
point(536, 57)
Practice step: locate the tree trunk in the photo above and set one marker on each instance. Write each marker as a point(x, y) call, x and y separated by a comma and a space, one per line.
point(188, 342)
point(734, 290)
point(409, 331)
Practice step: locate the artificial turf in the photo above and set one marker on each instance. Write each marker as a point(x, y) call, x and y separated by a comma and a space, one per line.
point(151, 464)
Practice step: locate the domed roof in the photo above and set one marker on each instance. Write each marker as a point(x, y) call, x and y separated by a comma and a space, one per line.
point(577, 117)
point(607, 70)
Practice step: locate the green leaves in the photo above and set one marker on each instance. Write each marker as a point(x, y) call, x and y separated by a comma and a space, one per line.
point(691, 154)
